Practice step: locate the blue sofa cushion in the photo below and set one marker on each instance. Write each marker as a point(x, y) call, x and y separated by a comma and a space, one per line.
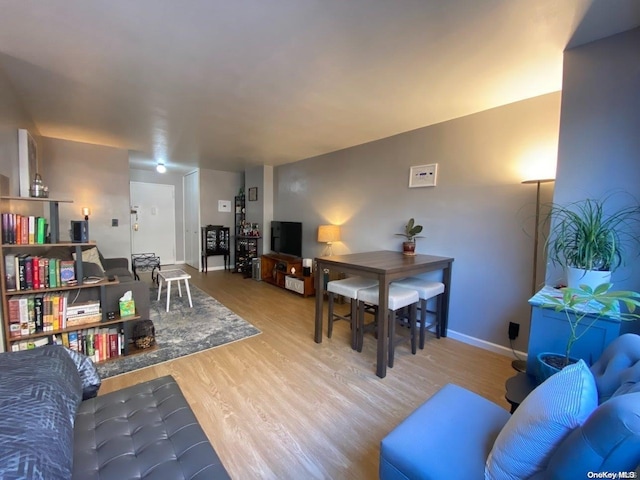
point(546, 417)
point(609, 441)
point(441, 433)
point(40, 391)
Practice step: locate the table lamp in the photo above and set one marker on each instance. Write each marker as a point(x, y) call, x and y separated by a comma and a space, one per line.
point(328, 234)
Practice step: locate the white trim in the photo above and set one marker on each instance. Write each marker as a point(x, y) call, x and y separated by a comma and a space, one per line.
point(476, 342)
point(212, 269)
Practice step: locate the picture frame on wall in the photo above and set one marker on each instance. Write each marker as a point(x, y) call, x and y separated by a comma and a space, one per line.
point(27, 160)
point(423, 175)
point(253, 194)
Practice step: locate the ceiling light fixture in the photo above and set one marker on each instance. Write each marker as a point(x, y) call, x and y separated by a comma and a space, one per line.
point(160, 168)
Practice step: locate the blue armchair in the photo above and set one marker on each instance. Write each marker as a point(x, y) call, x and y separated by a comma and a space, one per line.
point(579, 420)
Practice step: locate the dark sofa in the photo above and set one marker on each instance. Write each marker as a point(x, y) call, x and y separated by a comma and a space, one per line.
point(48, 432)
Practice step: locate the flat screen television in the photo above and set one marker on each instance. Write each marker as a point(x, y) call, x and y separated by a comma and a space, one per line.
point(286, 238)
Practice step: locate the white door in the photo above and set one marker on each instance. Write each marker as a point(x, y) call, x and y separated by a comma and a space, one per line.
point(153, 225)
point(192, 219)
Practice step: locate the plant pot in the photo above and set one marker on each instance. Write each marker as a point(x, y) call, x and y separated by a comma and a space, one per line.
point(549, 363)
point(592, 278)
point(409, 248)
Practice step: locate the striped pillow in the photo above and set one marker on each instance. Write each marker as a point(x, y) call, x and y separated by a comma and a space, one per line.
point(560, 404)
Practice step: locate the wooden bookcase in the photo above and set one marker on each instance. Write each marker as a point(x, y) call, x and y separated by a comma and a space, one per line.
point(16, 205)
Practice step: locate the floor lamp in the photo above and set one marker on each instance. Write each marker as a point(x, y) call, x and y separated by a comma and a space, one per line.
point(521, 365)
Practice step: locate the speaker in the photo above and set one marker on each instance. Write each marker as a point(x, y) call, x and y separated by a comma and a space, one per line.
point(256, 269)
point(79, 231)
point(306, 271)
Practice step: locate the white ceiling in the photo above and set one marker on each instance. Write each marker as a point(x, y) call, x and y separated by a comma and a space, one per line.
point(236, 83)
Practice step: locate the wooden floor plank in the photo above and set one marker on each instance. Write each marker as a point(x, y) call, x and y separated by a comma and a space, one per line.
point(280, 406)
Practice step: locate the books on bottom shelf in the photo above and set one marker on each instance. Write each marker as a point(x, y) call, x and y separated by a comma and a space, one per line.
point(99, 344)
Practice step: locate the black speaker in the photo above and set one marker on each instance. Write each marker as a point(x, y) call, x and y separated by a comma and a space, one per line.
point(79, 231)
point(306, 271)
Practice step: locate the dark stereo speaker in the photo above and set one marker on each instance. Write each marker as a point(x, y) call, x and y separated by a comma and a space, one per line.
point(306, 271)
point(79, 231)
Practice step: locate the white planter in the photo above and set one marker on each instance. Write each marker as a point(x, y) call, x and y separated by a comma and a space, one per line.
point(592, 278)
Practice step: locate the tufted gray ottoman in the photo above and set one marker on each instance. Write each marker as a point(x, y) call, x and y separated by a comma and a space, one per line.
point(146, 431)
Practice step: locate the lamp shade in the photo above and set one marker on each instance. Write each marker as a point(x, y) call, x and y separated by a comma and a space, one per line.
point(328, 233)
point(86, 211)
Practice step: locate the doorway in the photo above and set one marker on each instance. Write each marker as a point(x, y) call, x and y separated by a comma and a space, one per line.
point(153, 220)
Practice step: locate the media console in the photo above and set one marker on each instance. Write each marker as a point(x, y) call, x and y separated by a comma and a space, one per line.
point(285, 271)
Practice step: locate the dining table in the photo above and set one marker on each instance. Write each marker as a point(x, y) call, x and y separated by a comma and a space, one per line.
point(384, 266)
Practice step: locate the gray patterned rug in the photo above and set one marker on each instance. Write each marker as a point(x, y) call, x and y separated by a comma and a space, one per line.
point(184, 330)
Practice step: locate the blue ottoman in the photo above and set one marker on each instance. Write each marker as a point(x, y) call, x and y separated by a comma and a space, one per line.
point(439, 434)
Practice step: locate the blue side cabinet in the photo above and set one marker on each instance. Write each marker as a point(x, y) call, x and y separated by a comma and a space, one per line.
point(550, 330)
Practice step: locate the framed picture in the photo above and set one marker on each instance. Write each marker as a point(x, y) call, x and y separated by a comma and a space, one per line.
point(27, 160)
point(253, 194)
point(423, 175)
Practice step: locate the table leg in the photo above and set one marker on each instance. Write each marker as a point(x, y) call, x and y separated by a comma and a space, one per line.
point(135, 274)
point(383, 326)
point(317, 336)
point(168, 294)
point(186, 286)
point(179, 289)
point(159, 290)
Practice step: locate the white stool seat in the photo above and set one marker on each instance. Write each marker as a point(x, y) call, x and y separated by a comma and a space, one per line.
point(349, 287)
point(425, 288)
point(398, 296)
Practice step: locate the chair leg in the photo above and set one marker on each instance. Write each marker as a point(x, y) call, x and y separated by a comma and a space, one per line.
point(360, 326)
point(423, 321)
point(354, 323)
point(330, 323)
point(439, 306)
point(413, 313)
point(392, 334)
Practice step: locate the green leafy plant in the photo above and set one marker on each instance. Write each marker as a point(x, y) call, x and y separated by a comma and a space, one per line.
point(411, 231)
point(585, 235)
point(584, 302)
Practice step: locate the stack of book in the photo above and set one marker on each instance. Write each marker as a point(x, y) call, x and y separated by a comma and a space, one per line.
point(83, 313)
point(23, 230)
point(48, 312)
point(30, 272)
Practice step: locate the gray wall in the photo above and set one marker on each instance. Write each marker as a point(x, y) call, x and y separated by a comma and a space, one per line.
point(92, 176)
point(479, 213)
point(175, 179)
point(261, 210)
point(599, 144)
point(218, 185)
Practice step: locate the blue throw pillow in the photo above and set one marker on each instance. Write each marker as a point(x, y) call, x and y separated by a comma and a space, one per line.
point(551, 412)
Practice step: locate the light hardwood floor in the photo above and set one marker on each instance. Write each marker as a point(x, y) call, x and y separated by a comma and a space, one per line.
point(279, 406)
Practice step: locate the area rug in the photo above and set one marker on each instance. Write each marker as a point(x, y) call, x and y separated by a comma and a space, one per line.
point(184, 330)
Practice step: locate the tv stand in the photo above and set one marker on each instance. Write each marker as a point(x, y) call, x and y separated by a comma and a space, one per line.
point(275, 268)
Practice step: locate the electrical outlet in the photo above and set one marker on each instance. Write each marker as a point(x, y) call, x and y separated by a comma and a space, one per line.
point(514, 330)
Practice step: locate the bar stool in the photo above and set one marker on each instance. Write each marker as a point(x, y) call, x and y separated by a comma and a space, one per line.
point(347, 287)
point(426, 290)
point(399, 297)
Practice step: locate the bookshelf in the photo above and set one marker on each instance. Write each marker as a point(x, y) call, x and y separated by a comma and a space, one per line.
point(36, 332)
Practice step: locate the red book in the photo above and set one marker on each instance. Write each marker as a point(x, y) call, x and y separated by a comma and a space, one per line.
point(14, 318)
point(35, 272)
point(18, 229)
point(24, 227)
point(113, 345)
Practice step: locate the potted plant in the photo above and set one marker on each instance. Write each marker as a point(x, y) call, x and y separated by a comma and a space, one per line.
point(589, 241)
point(411, 231)
point(583, 306)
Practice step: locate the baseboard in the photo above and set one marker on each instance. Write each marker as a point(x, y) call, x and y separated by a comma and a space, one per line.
point(493, 347)
point(211, 269)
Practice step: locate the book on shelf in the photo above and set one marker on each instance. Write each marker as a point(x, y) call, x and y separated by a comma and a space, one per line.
point(10, 272)
point(67, 272)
